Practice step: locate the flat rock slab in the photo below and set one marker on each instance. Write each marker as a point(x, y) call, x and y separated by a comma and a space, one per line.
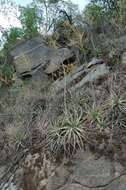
point(83, 172)
point(87, 173)
point(95, 73)
point(116, 185)
point(93, 173)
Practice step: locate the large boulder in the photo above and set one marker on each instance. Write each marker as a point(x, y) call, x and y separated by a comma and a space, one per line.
point(31, 55)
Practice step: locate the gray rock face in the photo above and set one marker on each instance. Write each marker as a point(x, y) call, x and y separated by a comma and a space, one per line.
point(88, 173)
point(83, 172)
point(24, 46)
point(94, 173)
point(29, 56)
point(97, 72)
point(57, 58)
point(72, 81)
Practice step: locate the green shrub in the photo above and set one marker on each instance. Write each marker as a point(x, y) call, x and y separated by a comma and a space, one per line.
point(6, 74)
point(12, 35)
point(29, 21)
point(110, 6)
point(93, 15)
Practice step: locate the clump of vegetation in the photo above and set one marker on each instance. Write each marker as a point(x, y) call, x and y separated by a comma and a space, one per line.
point(11, 36)
point(94, 15)
point(95, 116)
point(6, 74)
point(16, 135)
point(68, 133)
point(116, 110)
point(29, 21)
point(29, 27)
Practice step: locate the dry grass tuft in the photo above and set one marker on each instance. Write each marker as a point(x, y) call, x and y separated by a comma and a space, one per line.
point(16, 135)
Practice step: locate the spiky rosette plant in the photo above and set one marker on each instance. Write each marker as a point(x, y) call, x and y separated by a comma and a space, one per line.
point(95, 116)
point(68, 133)
point(116, 110)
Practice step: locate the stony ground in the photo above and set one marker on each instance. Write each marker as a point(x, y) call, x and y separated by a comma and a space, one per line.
point(83, 172)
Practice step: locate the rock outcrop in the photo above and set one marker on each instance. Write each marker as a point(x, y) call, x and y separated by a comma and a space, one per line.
point(81, 76)
point(83, 172)
point(29, 56)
